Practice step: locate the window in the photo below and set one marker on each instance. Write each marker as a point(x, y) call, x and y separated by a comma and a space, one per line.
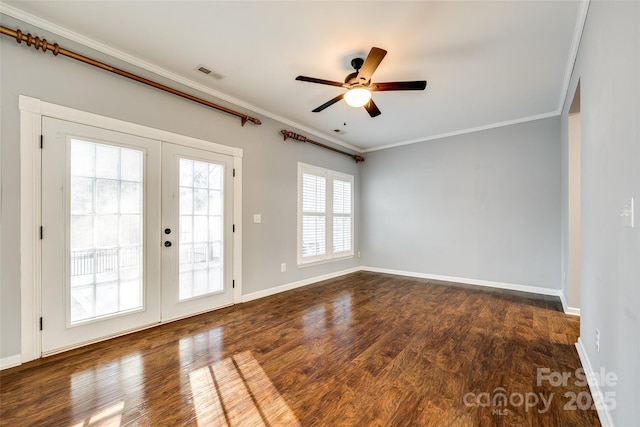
point(325, 214)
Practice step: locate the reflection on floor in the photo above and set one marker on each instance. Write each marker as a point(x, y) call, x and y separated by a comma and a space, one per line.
point(360, 350)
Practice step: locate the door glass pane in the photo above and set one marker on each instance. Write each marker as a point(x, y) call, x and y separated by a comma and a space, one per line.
point(106, 224)
point(201, 221)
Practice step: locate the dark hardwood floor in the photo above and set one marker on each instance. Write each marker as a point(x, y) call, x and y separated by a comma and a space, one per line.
point(365, 349)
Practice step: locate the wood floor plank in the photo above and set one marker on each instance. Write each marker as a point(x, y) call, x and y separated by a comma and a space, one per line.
point(366, 349)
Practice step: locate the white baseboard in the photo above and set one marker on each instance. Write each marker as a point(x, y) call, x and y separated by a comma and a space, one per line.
point(10, 362)
point(568, 310)
point(596, 391)
point(487, 283)
point(563, 300)
point(572, 311)
point(298, 284)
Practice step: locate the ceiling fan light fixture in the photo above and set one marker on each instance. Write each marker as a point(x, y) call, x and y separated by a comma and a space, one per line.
point(357, 97)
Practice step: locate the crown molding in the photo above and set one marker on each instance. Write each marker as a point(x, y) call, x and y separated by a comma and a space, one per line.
point(157, 70)
point(465, 131)
point(573, 52)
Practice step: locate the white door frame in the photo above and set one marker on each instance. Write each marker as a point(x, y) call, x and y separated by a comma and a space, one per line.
point(31, 112)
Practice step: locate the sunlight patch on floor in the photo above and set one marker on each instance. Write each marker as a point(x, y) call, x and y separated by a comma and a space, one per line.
point(111, 416)
point(235, 392)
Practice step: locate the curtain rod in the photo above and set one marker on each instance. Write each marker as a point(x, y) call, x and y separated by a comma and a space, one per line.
point(45, 46)
point(288, 134)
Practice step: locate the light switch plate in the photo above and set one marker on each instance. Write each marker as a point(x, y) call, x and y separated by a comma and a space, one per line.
point(257, 218)
point(628, 213)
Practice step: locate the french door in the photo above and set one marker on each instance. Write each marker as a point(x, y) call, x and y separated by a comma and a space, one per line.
point(196, 222)
point(135, 232)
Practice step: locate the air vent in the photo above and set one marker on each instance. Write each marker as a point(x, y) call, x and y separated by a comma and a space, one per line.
point(209, 72)
point(339, 131)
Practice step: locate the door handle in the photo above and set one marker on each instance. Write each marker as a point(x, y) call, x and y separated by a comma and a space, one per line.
point(167, 244)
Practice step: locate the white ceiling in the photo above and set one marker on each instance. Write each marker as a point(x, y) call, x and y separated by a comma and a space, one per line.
point(486, 62)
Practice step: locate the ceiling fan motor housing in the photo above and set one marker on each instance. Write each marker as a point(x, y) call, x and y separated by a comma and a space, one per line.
point(351, 79)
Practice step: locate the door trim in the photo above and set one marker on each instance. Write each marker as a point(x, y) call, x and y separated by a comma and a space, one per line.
point(31, 112)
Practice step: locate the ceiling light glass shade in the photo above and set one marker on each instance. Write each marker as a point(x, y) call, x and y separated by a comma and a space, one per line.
point(357, 97)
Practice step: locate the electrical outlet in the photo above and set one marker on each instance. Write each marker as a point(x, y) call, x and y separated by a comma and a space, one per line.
point(598, 340)
point(283, 267)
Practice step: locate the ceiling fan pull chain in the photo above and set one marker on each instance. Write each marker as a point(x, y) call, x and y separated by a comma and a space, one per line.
point(344, 114)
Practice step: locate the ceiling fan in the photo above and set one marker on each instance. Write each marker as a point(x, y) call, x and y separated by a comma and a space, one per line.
point(359, 84)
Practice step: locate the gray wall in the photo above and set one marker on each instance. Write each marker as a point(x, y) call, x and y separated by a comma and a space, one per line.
point(608, 68)
point(270, 164)
point(482, 206)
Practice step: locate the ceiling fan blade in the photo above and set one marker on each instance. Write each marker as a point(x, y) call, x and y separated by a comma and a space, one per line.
point(414, 85)
point(372, 108)
point(371, 64)
point(321, 81)
point(329, 103)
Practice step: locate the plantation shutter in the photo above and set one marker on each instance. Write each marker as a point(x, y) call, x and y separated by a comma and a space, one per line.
point(314, 193)
point(342, 215)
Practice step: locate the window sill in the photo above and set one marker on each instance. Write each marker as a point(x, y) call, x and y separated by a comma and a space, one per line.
point(325, 261)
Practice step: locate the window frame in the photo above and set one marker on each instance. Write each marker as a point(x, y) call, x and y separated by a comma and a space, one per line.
point(330, 176)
